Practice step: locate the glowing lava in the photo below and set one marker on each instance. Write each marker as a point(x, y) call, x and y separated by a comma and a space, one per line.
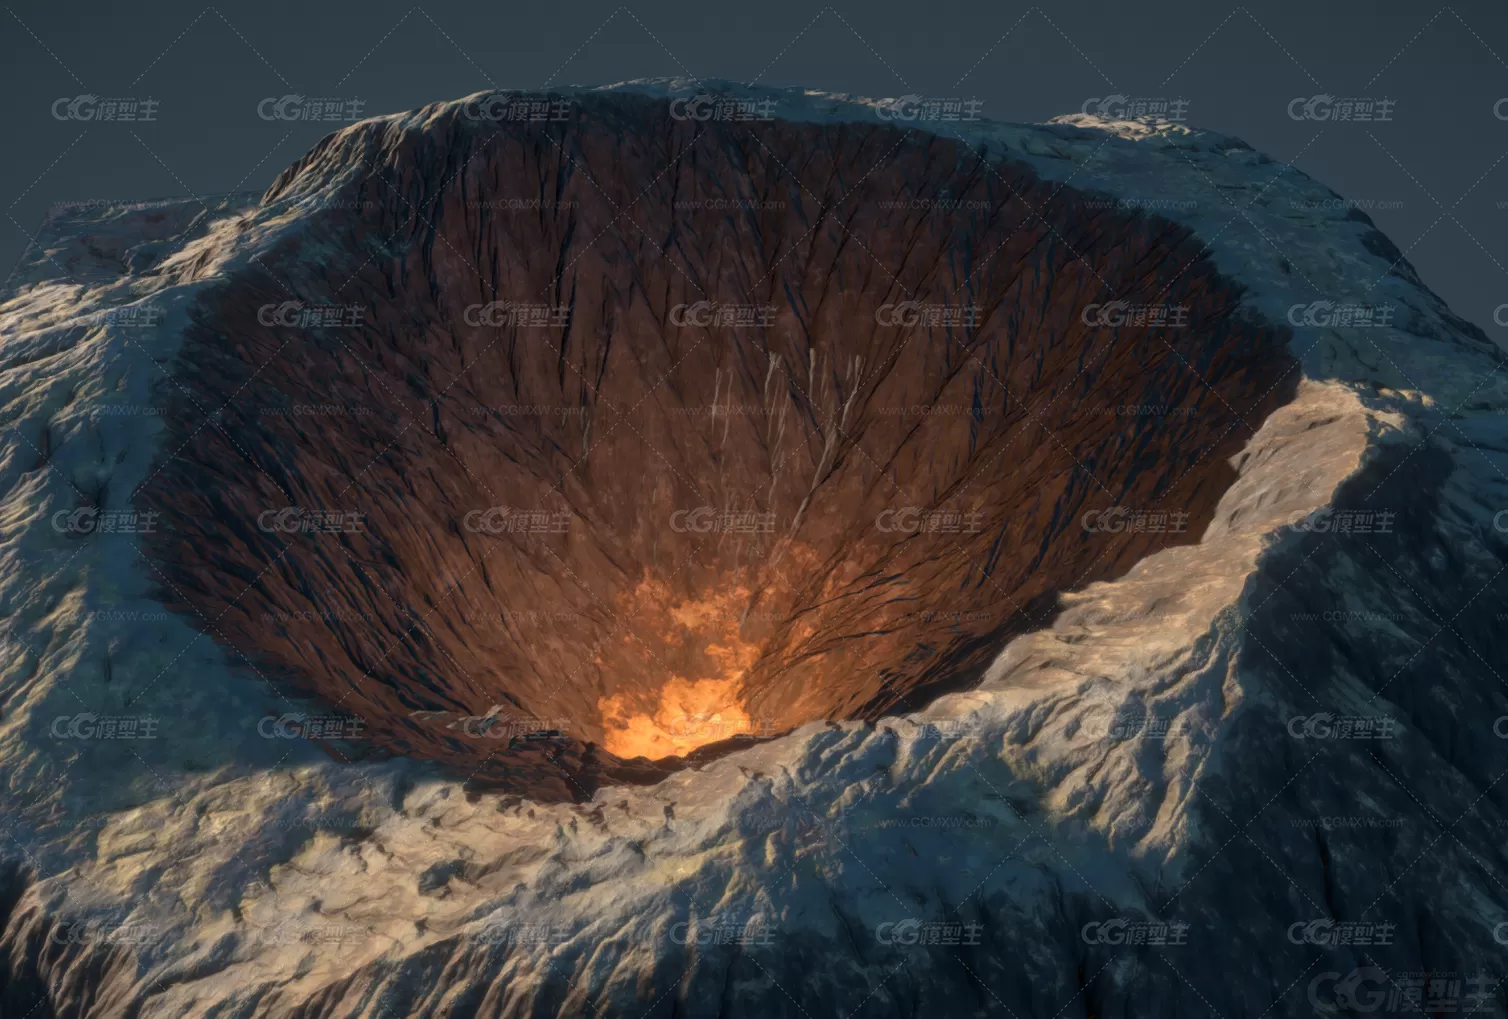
point(695, 637)
point(691, 713)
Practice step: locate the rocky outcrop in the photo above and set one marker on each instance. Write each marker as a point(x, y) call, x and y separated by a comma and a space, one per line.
point(1249, 767)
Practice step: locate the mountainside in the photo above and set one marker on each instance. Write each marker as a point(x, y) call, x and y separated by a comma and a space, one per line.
point(688, 549)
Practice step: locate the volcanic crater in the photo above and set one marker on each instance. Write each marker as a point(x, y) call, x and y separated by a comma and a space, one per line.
point(575, 451)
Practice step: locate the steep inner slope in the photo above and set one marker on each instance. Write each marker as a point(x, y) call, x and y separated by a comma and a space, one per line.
point(658, 432)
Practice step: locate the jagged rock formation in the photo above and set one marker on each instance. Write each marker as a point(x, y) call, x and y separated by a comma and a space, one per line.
point(1158, 748)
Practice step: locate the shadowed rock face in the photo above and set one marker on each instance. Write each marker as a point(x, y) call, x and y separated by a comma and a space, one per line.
point(665, 431)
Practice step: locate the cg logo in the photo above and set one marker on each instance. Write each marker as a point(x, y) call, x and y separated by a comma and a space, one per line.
point(1312, 932)
point(286, 932)
point(682, 934)
point(484, 727)
point(494, 107)
point(906, 313)
point(1314, 108)
point(93, 933)
point(83, 520)
point(698, 314)
point(289, 313)
point(76, 108)
point(1316, 726)
point(492, 520)
point(698, 107)
point(494, 313)
point(906, 932)
point(1314, 522)
point(282, 726)
point(1108, 107)
point(81, 726)
point(1120, 725)
point(1361, 990)
point(907, 520)
point(286, 108)
point(698, 521)
point(495, 934)
point(1317, 313)
point(1110, 521)
point(1111, 313)
point(907, 107)
point(285, 520)
point(1107, 932)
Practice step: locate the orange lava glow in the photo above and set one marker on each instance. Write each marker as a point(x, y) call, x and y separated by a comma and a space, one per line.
point(691, 713)
point(701, 639)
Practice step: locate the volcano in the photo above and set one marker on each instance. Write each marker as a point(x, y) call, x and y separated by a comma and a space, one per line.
point(683, 548)
point(647, 432)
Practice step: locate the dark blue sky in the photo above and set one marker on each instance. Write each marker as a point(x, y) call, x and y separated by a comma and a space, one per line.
point(1434, 177)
